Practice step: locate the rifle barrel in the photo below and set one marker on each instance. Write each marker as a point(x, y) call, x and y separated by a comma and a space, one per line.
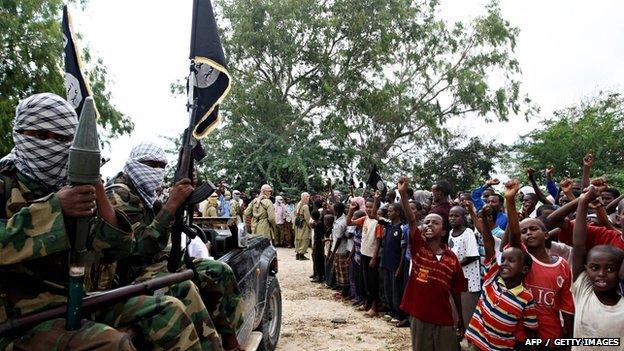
point(96, 301)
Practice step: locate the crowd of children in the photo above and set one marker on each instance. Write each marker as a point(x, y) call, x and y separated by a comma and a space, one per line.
point(477, 272)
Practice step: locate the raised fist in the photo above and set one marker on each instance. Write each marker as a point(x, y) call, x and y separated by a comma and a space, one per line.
point(512, 187)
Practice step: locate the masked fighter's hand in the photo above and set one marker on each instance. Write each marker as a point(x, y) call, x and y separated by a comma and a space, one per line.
point(178, 194)
point(77, 201)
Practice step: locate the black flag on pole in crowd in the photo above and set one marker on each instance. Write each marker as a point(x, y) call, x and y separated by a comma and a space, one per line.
point(212, 80)
point(76, 86)
point(375, 181)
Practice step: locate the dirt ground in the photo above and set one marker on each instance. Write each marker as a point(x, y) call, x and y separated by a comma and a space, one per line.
point(308, 310)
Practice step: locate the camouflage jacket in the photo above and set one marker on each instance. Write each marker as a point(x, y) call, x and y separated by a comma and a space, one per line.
point(34, 246)
point(151, 230)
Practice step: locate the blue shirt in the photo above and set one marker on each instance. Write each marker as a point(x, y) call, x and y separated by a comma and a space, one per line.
point(394, 236)
point(477, 200)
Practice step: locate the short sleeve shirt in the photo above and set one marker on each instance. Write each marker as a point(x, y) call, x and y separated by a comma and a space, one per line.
point(465, 245)
point(592, 318)
point(501, 313)
point(431, 282)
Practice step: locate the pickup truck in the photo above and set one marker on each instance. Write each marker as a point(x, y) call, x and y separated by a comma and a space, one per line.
point(254, 262)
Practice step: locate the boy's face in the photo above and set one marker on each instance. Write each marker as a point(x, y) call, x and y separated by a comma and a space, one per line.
point(528, 202)
point(456, 218)
point(415, 211)
point(392, 213)
point(369, 209)
point(606, 198)
point(533, 235)
point(494, 202)
point(434, 226)
point(512, 264)
point(487, 193)
point(437, 193)
point(602, 269)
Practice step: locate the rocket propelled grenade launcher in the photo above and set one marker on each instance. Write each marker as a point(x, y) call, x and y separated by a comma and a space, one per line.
point(83, 168)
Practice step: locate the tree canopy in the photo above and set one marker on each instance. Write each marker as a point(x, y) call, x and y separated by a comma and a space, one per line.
point(563, 140)
point(31, 52)
point(324, 86)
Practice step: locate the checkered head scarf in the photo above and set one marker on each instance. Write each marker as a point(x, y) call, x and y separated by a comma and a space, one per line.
point(145, 178)
point(44, 161)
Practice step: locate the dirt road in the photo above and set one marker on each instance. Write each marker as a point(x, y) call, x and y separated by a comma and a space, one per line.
point(308, 310)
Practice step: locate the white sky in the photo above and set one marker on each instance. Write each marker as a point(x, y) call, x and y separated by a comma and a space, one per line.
point(568, 49)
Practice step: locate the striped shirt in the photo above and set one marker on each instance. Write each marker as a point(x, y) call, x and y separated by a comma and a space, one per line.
point(500, 313)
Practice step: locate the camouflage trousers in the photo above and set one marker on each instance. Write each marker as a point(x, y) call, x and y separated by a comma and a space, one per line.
point(51, 335)
point(149, 322)
point(218, 289)
point(154, 323)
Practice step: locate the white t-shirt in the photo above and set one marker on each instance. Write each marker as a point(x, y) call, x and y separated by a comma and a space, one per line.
point(592, 319)
point(465, 245)
point(369, 244)
point(339, 232)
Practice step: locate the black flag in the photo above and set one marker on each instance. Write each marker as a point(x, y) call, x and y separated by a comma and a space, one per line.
point(212, 80)
point(375, 181)
point(76, 85)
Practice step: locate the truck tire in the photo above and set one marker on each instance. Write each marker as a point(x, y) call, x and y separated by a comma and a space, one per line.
point(272, 318)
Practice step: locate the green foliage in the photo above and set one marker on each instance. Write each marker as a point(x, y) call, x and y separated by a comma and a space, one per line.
point(563, 140)
point(31, 62)
point(327, 86)
point(465, 165)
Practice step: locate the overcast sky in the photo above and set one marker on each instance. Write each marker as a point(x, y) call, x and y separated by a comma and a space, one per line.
point(567, 50)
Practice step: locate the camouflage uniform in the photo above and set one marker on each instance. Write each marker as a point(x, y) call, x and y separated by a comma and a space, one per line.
point(33, 252)
point(216, 281)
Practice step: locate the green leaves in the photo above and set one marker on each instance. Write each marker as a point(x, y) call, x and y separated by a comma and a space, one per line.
point(564, 139)
point(31, 62)
point(329, 86)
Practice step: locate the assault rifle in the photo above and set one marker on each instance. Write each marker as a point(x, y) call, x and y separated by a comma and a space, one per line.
point(190, 151)
point(95, 302)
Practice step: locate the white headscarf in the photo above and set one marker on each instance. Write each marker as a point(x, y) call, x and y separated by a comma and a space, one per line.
point(145, 178)
point(45, 161)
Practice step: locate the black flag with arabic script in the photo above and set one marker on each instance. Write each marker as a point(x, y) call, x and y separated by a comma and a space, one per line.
point(212, 80)
point(76, 86)
point(375, 181)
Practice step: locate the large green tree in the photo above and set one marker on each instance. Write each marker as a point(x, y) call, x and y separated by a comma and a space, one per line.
point(465, 164)
point(323, 86)
point(596, 124)
point(31, 61)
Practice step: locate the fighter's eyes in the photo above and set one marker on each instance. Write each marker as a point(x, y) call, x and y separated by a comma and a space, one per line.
point(45, 135)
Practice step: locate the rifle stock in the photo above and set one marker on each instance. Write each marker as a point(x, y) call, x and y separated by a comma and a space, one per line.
point(96, 301)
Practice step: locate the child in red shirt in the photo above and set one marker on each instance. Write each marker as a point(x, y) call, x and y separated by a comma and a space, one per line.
point(550, 277)
point(436, 277)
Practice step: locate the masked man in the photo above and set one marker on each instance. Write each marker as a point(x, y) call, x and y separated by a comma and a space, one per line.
point(133, 191)
point(34, 243)
point(262, 213)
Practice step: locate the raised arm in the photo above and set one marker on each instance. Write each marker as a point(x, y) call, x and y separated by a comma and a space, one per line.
point(513, 224)
point(556, 218)
point(579, 238)
point(551, 186)
point(614, 203)
point(470, 208)
point(477, 194)
point(376, 201)
point(402, 188)
point(538, 191)
point(352, 208)
point(588, 161)
point(486, 232)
